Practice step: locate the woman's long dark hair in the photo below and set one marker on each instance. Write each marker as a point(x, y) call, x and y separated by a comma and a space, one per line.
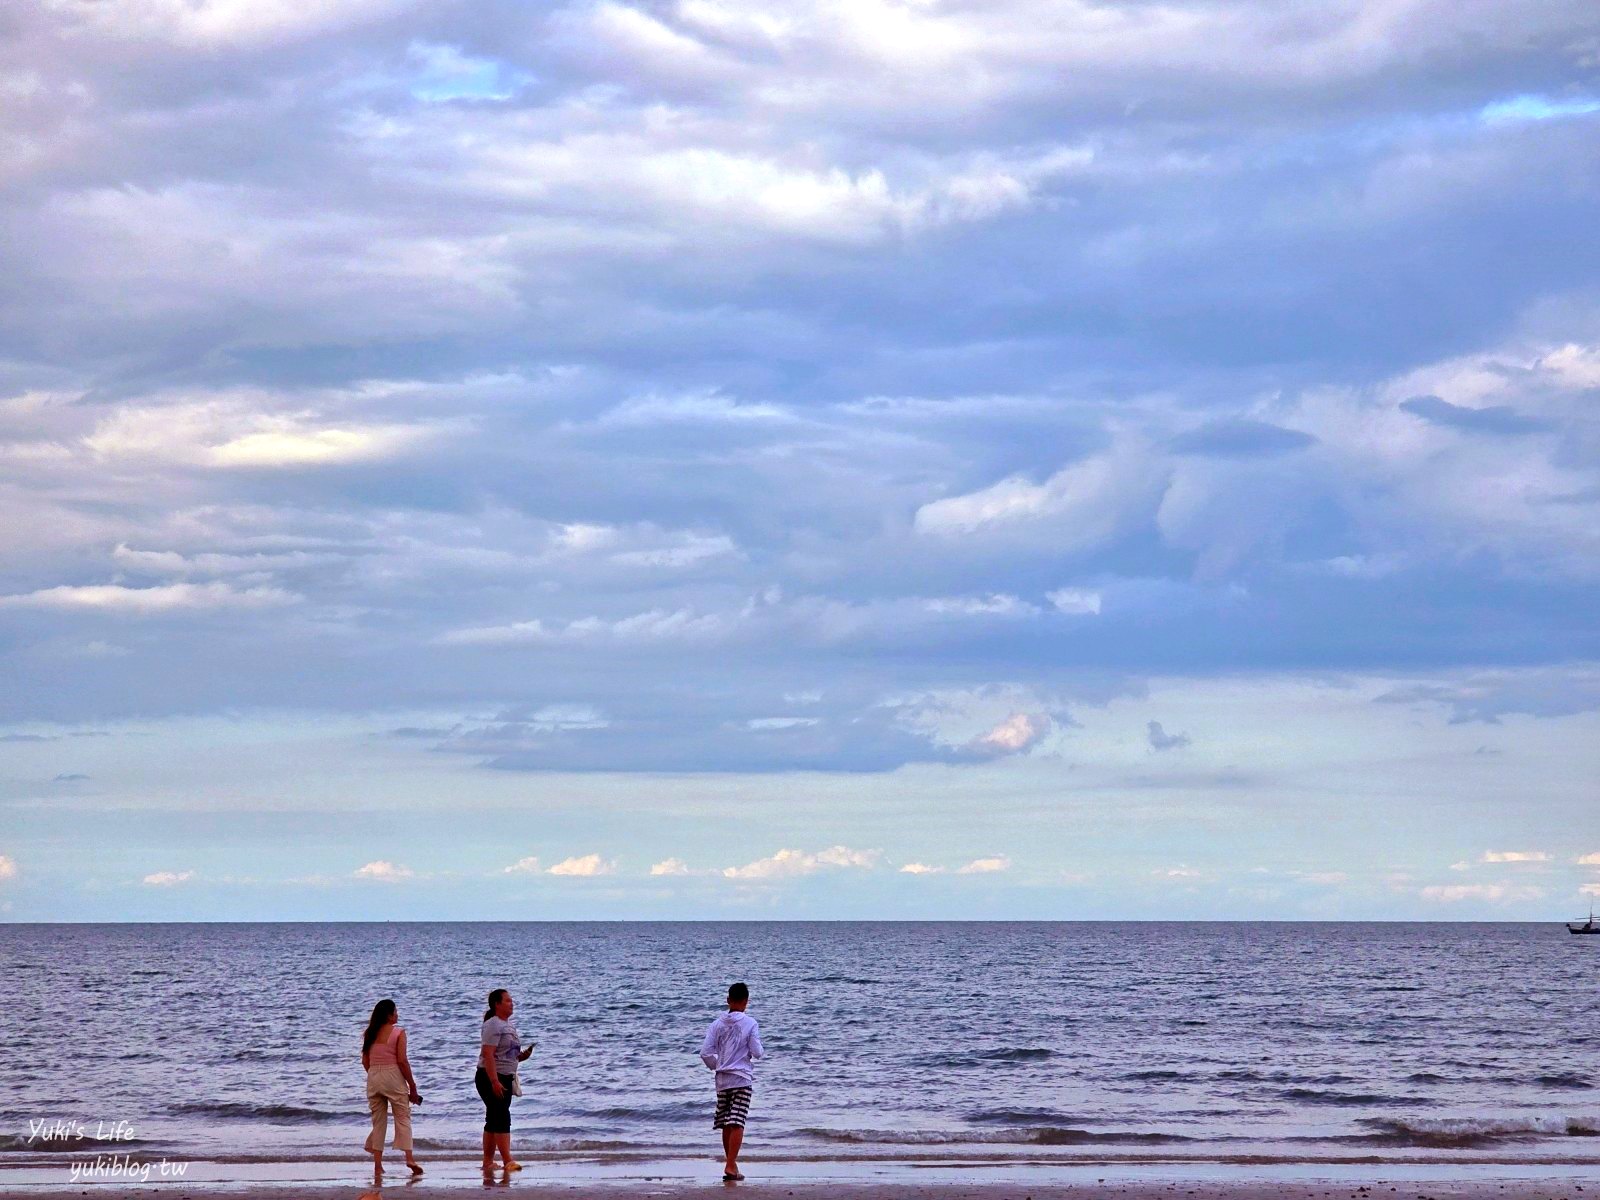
point(494, 1001)
point(381, 1012)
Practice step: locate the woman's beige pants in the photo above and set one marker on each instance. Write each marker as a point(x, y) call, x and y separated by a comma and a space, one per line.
point(386, 1088)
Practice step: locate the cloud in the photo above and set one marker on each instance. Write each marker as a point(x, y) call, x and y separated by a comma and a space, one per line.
point(1529, 107)
point(69, 777)
point(151, 601)
point(671, 866)
point(657, 625)
point(217, 24)
point(523, 866)
point(1084, 504)
point(1489, 892)
point(1490, 419)
point(639, 359)
point(1589, 860)
point(168, 878)
point(1160, 739)
point(997, 605)
point(384, 871)
point(8, 867)
point(1075, 601)
point(790, 864)
point(1017, 734)
point(985, 866)
point(722, 729)
point(1514, 856)
point(1240, 437)
point(170, 562)
point(1180, 872)
point(586, 865)
point(916, 868)
point(1491, 696)
point(242, 433)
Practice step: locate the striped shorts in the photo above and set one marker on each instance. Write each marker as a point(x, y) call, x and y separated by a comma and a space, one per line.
point(733, 1106)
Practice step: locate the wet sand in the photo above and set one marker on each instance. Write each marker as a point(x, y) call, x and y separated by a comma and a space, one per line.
point(904, 1180)
point(1020, 1189)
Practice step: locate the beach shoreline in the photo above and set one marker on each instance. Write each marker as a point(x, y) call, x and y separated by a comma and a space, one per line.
point(1021, 1187)
point(855, 1179)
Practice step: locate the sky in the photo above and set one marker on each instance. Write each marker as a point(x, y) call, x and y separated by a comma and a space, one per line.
point(799, 459)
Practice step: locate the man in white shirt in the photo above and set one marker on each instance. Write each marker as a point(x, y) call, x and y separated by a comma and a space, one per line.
point(731, 1046)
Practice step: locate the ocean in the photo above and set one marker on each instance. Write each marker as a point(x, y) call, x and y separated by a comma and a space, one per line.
point(1106, 1042)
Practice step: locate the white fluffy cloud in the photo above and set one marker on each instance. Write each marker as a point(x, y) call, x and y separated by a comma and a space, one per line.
point(150, 601)
point(1455, 893)
point(1077, 508)
point(1077, 602)
point(986, 866)
point(917, 868)
point(8, 867)
point(1589, 860)
point(1514, 856)
point(585, 865)
point(168, 878)
point(671, 866)
point(210, 25)
point(790, 864)
point(384, 871)
point(237, 433)
point(523, 866)
point(1017, 734)
point(657, 625)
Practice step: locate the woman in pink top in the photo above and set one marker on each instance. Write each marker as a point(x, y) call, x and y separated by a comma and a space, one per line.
point(389, 1084)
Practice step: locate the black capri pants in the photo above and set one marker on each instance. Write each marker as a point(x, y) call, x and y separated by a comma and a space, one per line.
point(496, 1109)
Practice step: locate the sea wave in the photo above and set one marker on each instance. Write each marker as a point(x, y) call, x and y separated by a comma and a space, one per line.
point(23, 1141)
point(1569, 1080)
point(1025, 1116)
point(1038, 1135)
point(978, 1058)
point(1016, 1054)
point(1163, 1076)
point(1246, 1075)
point(1306, 1095)
point(226, 1110)
point(682, 1110)
point(1468, 1132)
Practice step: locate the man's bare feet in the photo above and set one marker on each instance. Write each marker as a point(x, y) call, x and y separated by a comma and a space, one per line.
point(416, 1167)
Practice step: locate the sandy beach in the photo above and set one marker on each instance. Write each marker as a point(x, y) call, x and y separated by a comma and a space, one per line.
point(906, 1179)
point(1492, 1187)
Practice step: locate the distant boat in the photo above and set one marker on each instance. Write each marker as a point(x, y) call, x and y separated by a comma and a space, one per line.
point(1584, 926)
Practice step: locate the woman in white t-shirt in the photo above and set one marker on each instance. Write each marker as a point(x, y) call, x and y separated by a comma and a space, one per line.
point(500, 1050)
